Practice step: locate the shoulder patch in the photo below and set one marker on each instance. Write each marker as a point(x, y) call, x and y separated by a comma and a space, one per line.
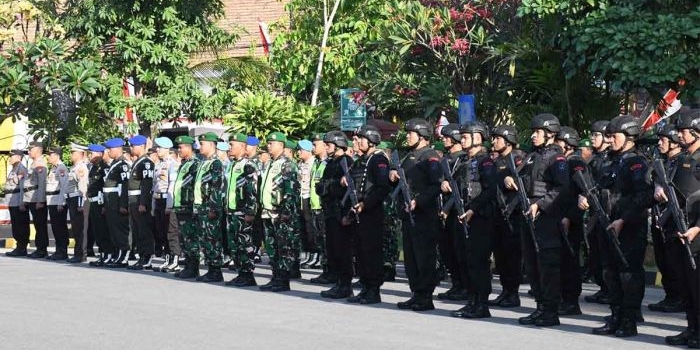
point(636, 167)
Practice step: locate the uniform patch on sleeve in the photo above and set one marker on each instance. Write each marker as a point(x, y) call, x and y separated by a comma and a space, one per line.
point(433, 159)
point(579, 168)
point(636, 167)
point(382, 165)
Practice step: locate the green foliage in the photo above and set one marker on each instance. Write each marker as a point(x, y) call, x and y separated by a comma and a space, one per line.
point(261, 112)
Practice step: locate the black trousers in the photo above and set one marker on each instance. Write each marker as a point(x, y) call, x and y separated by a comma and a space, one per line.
point(59, 227)
point(691, 283)
point(449, 250)
point(77, 225)
point(161, 222)
point(626, 284)
point(420, 252)
point(20, 226)
point(39, 216)
point(571, 271)
point(97, 225)
point(369, 238)
point(478, 257)
point(142, 230)
point(595, 264)
point(507, 252)
point(339, 249)
point(669, 255)
point(543, 268)
point(117, 223)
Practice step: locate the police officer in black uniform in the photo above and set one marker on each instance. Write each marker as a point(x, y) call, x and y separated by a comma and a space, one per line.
point(370, 174)
point(685, 175)
point(140, 202)
point(594, 231)
point(546, 178)
point(668, 250)
point(116, 207)
point(631, 196)
point(572, 226)
point(338, 237)
point(508, 226)
point(447, 245)
point(423, 176)
point(96, 222)
point(478, 188)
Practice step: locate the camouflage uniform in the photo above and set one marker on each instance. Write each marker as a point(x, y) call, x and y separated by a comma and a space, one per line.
point(183, 199)
point(392, 229)
point(242, 201)
point(279, 197)
point(208, 200)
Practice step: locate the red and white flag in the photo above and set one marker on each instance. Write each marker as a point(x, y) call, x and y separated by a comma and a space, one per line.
point(442, 121)
point(128, 90)
point(668, 105)
point(265, 36)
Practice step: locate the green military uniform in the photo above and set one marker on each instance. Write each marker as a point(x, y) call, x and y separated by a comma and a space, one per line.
point(392, 230)
point(241, 204)
point(279, 198)
point(207, 210)
point(183, 200)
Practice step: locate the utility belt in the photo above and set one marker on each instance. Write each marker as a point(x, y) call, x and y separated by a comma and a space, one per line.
point(72, 195)
point(53, 193)
point(13, 191)
point(31, 188)
point(134, 193)
point(160, 195)
point(117, 189)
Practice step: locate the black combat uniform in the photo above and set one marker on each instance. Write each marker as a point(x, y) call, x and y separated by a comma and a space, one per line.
point(97, 225)
point(141, 194)
point(116, 210)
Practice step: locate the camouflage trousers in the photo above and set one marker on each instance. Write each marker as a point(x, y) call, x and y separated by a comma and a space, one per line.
point(390, 244)
point(281, 240)
point(318, 225)
point(210, 239)
point(240, 241)
point(189, 236)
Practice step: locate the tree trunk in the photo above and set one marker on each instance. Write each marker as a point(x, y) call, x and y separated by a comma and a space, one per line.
point(328, 23)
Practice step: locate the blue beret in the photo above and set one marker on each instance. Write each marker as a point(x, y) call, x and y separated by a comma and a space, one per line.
point(163, 142)
point(114, 143)
point(222, 146)
point(138, 140)
point(96, 148)
point(253, 141)
point(305, 145)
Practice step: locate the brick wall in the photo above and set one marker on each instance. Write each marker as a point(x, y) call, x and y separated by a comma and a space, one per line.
point(245, 14)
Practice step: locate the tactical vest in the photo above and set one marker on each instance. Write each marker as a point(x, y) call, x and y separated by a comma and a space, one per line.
point(684, 179)
point(235, 181)
point(537, 164)
point(182, 183)
point(358, 172)
point(202, 177)
point(273, 177)
point(113, 178)
point(141, 169)
point(316, 175)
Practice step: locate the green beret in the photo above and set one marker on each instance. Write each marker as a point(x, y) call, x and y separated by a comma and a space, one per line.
point(184, 140)
point(276, 136)
point(585, 143)
point(238, 137)
point(439, 146)
point(291, 144)
point(350, 144)
point(209, 136)
point(385, 145)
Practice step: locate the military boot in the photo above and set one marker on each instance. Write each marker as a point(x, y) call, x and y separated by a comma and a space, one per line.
point(480, 309)
point(268, 286)
point(172, 266)
point(213, 275)
point(531, 318)
point(324, 278)
point(679, 339)
point(511, 300)
point(104, 257)
point(456, 288)
point(569, 309)
point(600, 297)
point(118, 261)
point(548, 319)
point(58, 256)
point(17, 252)
point(244, 279)
point(628, 327)
point(389, 273)
point(611, 325)
point(495, 302)
point(295, 272)
point(372, 296)
point(282, 283)
point(341, 290)
point(38, 254)
point(423, 303)
point(139, 265)
point(166, 262)
point(191, 269)
point(405, 305)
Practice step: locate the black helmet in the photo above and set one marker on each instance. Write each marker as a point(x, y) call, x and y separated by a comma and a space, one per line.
point(669, 131)
point(688, 121)
point(371, 133)
point(599, 126)
point(420, 126)
point(507, 132)
point(545, 121)
point(625, 124)
point(475, 128)
point(337, 138)
point(568, 135)
point(451, 130)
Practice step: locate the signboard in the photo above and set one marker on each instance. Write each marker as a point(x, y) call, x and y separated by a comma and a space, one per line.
point(352, 114)
point(466, 108)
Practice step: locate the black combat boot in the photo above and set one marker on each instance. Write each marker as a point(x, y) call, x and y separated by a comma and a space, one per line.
point(674, 305)
point(324, 278)
point(660, 305)
point(456, 288)
point(138, 265)
point(611, 325)
point(38, 254)
point(17, 252)
point(480, 309)
point(679, 339)
point(424, 302)
point(569, 309)
point(173, 266)
point(295, 272)
point(191, 269)
point(282, 283)
point(600, 297)
point(309, 258)
point(341, 290)
point(268, 286)
point(628, 327)
point(548, 319)
point(496, 302)
point(372, 296)
point(104, 257)
point(531, 318)
point(405, 305)
point(244, 279)
point(119, 260)
point(59, 255)
point(213, 275)
point(511, 300)
point(389, 273)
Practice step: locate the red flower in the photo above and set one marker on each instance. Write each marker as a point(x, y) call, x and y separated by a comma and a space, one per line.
point(461, 46)
point(438, 41)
